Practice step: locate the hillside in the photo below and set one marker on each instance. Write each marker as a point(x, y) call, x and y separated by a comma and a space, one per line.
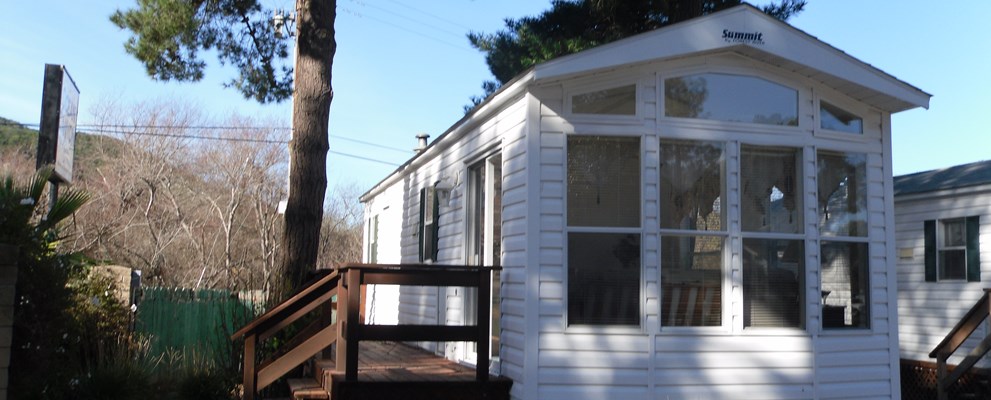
point(17, 137)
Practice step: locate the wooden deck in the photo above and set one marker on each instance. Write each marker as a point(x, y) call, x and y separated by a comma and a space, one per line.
point(392, 370)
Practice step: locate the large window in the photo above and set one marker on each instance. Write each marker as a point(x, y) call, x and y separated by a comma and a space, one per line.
point(692, 224)
point(773, 250)
point(952, 249)
point(843, 252)
point(603, 230)
point(733, 98)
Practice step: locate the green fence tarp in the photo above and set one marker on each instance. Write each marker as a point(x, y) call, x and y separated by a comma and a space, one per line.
point(192, 323)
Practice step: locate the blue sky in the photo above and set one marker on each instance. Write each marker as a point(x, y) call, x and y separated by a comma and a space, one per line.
point(404, 67)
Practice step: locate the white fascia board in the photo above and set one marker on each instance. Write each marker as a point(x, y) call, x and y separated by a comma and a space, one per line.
point(481, 113)
point(706, 34)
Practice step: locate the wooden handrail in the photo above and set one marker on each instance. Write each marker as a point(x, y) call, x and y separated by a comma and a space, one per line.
point(345, 283)
point(313, 339)
point(953, 340)
point(289, 307)
point(354, 330)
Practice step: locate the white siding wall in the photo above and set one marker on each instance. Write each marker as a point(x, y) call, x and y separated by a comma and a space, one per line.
point(504, 132)
point(728, 362)
point(928, 310)
point(381, 300)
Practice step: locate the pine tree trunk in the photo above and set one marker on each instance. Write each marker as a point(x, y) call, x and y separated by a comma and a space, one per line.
point(312, 95)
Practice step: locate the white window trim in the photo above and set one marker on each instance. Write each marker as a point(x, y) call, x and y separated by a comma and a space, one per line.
point(804, 94)
point(867, 114)
point(636, 118)
point(940, 248)
point(642, 327)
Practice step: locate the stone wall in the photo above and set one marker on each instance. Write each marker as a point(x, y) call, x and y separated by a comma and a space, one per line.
point(8, 277)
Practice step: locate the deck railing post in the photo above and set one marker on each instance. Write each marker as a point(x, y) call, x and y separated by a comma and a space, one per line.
point(484, 301)
point(353, 322)
point(250, 375)
point(941, 376)
point(327, 318)
point(342, 321)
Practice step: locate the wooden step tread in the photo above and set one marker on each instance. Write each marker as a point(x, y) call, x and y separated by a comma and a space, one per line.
point(306, 388)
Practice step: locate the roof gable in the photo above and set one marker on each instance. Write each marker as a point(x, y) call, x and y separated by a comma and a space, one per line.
point(748, 31)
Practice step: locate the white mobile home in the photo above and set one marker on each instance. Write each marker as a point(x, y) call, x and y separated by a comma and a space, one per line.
point(701, 211)
point(941, 219)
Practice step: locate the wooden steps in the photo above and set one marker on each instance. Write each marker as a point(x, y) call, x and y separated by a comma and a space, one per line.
point(306, 388)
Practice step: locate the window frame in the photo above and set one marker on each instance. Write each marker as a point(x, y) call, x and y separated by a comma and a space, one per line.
point(933, 239)
point(638, 230)
point(801, 236)
point(835, 238)
point(582, 88)
point(720, 125)
point(723, 234)
point(820, 120)
point(870, 116)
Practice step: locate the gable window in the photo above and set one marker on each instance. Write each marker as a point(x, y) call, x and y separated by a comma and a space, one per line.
point(603, 215)
point(837, 119)
point(953, 249)
point(693, 230)
point(613, 101)
point(731, 98)
point(843, 251)
point(773, 239)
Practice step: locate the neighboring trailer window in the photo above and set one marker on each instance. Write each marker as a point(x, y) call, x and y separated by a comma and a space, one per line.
point(604, 268)
point(693, 226)
point(732, 98)
point(953, 249)
point(843, 252)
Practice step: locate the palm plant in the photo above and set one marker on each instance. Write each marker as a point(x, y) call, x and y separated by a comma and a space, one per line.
point(46, 328)
point(23, 223)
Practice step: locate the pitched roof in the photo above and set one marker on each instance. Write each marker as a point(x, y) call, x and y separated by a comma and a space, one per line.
point(748, 31)
point(743, 29)
point(973, 174)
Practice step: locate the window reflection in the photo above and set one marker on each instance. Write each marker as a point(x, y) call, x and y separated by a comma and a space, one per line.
point(691, 280)
point(773, 282)
point(836, 119)
point(603, 279)
point(603, 181)
point(842, 194)
point(733, 98)
point(771, 200)
point(614, 101)
point(845, 285)
point(692, 185)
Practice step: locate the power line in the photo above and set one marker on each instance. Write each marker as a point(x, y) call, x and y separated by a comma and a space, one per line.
point(393, 25)
point(414, 20)
point(118, 128)
point(229, 139)
point(434, 16)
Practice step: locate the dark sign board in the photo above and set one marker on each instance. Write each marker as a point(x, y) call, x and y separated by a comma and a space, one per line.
point(57, 135)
